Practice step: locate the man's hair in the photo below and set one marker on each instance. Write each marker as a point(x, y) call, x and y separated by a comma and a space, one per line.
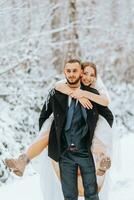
point(73, 60)
point(89, 64)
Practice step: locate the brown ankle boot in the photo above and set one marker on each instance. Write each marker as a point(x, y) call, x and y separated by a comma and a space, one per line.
point(103, 165)
point(17, 165)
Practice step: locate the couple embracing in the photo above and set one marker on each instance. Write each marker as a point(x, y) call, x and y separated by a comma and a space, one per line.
point(76, 105)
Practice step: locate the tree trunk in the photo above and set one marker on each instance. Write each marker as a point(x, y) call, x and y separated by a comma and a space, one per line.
point(73, 46)
point(67, 45)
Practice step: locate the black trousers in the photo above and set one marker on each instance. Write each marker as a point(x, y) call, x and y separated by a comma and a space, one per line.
point(69, 162)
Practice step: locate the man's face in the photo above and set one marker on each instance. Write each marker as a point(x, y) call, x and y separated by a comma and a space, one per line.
point(88, 76)
point(73, 73)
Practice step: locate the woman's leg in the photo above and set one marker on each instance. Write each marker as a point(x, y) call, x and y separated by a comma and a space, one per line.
point(102, 161)
point(98, 146)
point(100, 181)
point(18, 165)
point(38, 146)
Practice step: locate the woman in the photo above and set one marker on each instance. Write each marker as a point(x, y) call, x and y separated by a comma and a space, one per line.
point(99, 149)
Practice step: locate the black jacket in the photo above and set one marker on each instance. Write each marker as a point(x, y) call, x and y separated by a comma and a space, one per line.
point(58, 105)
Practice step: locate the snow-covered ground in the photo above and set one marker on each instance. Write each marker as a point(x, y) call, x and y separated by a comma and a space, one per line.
point(23, 189)
point(121, 177)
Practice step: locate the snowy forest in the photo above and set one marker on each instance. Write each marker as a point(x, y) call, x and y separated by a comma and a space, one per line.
point(37, 37)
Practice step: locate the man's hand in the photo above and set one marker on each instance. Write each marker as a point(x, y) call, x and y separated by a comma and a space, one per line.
point(85, 103)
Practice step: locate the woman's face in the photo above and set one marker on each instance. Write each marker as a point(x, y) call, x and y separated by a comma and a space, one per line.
point(88, 76)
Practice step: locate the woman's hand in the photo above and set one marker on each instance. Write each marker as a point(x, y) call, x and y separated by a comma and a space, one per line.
point(85, 103)
point(78, 93)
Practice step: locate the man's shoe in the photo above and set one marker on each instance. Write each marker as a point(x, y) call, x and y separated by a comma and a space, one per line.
point(17, 165)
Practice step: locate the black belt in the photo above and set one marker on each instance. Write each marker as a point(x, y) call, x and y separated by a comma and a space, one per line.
point(72, 147)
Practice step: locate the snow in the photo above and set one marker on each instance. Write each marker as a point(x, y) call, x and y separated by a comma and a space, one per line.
point(23, 189)
point(27, 71)
point(122, 187)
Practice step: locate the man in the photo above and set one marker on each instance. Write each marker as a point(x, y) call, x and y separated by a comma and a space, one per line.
point(71, 135)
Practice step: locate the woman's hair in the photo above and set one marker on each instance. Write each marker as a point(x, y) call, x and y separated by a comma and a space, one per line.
point(89, 64)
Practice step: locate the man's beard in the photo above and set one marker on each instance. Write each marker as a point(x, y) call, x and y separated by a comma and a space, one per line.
point(75, 82)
